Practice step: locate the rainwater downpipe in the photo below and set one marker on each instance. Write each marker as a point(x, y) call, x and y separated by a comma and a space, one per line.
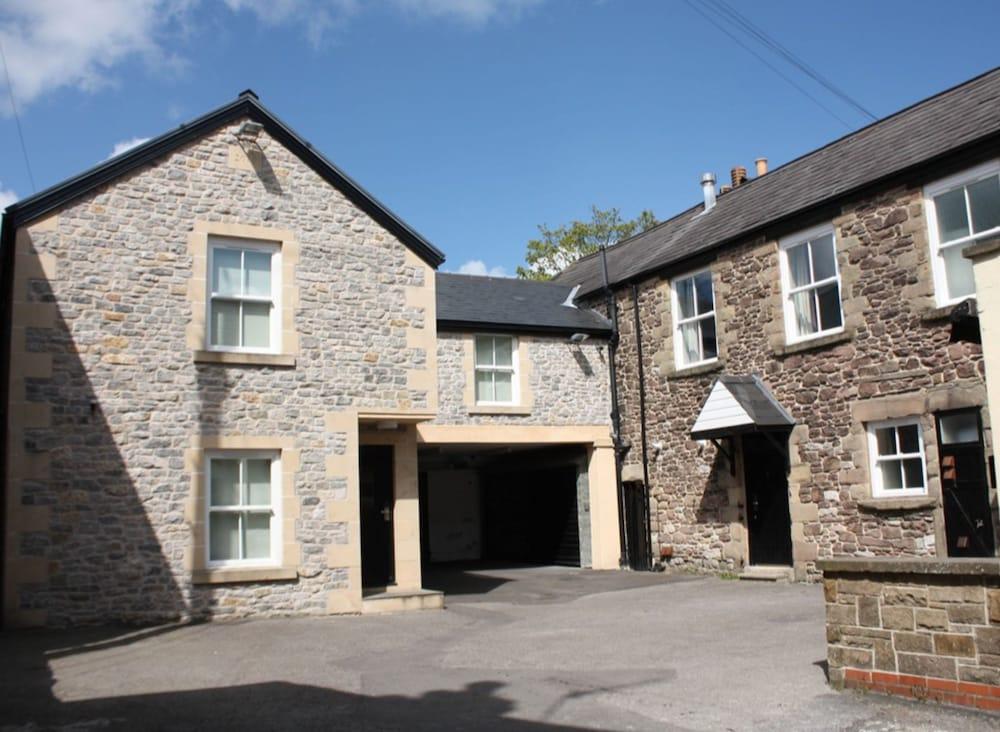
point(642, 424)
point(616, 421)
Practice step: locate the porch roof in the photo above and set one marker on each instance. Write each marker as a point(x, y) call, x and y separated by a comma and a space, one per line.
point(737, 404)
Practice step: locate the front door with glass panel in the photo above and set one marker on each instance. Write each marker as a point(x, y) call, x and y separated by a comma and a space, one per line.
point(968, 517)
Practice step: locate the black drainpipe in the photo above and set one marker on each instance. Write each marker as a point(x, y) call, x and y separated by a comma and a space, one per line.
point(616, 420)
point(642, 423)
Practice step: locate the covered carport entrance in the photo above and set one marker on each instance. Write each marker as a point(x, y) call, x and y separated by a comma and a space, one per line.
point(504, 504)
point(511, 495)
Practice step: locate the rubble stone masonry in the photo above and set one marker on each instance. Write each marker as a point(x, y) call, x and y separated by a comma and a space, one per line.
point(895, 358)
point(111, 404)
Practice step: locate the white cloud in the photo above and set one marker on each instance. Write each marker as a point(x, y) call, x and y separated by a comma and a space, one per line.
point(79, 44)
point(478, 267)
point(51, 44)
point(7, 197)
point(473, 12)
point(124, 145)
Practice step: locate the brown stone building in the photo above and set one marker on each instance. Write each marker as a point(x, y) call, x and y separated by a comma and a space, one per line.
point(800, 369)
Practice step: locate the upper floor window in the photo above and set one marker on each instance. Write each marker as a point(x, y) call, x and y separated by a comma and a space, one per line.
point(810, 282)
point(496, 370)
point(896, 449)
point(694, 320)
point(960, 210)
point(244, 279)
point(243, 495)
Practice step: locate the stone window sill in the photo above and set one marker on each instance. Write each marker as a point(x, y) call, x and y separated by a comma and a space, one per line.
point(813, 344)
point(909, 503)
point(228, 575)
point(500, 409)
point(944, 312)
point(706, 368)
point(245, 359)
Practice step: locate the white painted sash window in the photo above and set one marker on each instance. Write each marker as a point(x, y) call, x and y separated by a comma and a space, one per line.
point(244, 284)
point(896, 449)
point(243, 501)
point(694, 320)
point(810, 281)
point(961, 210)
point(496, 369)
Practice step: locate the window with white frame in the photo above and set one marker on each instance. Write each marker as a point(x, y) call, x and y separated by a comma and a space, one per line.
point(496, 369)
point(811, 285)
point(243, 297)
point(896, 449)
point(961, 210)
point(694, 320)
point(243, 501)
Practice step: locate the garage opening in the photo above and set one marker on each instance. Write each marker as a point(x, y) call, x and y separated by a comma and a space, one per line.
point(503, 506)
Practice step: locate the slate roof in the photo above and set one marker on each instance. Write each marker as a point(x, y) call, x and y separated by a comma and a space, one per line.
point(925, 133)
point(247, 105)
point(507, 304)
point(756, 400)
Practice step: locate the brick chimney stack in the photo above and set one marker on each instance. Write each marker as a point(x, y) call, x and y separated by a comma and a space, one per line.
point(738, 175)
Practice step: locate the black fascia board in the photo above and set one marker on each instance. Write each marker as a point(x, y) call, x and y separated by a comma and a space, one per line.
point(36, 206)
point(526, 328)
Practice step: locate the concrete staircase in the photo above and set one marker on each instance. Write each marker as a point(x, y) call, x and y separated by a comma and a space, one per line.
point(768, 573)
point(396, 601)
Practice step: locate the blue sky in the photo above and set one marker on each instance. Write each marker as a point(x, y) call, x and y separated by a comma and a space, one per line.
point(477, 120)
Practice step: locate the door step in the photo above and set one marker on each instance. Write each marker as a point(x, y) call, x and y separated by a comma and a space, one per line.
point(768, 573)
point(397, 601)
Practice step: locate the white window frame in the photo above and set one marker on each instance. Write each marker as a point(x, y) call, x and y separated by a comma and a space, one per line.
point(216, 243)
point(276, 494)
point(787, 291)
point(972, 175)
point(874, 459)
point(678, 322)
point(513, 369)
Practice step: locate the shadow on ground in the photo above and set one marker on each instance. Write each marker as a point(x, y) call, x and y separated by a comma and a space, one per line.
point(28, 700)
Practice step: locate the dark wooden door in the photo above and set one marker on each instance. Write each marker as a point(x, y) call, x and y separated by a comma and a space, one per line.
point(769, 524)
point(377, 498)
point(968, 519)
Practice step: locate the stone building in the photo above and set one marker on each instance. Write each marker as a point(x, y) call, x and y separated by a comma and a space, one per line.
point(800, 368)
point(235, 384)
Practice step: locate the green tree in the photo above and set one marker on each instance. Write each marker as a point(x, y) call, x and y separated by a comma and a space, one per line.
point(560, 247)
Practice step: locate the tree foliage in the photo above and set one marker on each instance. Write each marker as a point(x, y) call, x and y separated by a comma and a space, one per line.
point(558, 248)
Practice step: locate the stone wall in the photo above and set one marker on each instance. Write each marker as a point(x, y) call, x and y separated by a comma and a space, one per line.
point(895, 358)
point(567, 383)
point(926, 629)
point(108, 400)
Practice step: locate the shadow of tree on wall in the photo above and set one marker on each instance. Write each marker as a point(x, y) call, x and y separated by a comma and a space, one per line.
point(29, 701)
point(105, 560)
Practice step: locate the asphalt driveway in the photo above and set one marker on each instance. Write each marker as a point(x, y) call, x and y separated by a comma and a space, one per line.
point(517, 649)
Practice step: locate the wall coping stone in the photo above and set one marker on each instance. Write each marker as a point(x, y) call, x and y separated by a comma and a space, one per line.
point(787, 349)
point(989, 567)
point(897, 504)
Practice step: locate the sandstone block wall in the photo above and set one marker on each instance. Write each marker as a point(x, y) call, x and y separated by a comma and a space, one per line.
point(922, 629)
point(895, 358)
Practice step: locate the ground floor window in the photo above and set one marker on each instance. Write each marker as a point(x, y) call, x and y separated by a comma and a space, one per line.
point(242, 509)
point(896, 449)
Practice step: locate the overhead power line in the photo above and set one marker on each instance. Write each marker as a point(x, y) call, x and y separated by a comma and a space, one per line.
point(734, 16)
point(17, 119)
point(775, 69)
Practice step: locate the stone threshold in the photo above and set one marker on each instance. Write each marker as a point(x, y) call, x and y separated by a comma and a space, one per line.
point(374, 602)
point(768, 573)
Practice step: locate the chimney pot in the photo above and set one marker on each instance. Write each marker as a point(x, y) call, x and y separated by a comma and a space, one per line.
point(708, 189)
point(761, 164)
point(738, 175)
